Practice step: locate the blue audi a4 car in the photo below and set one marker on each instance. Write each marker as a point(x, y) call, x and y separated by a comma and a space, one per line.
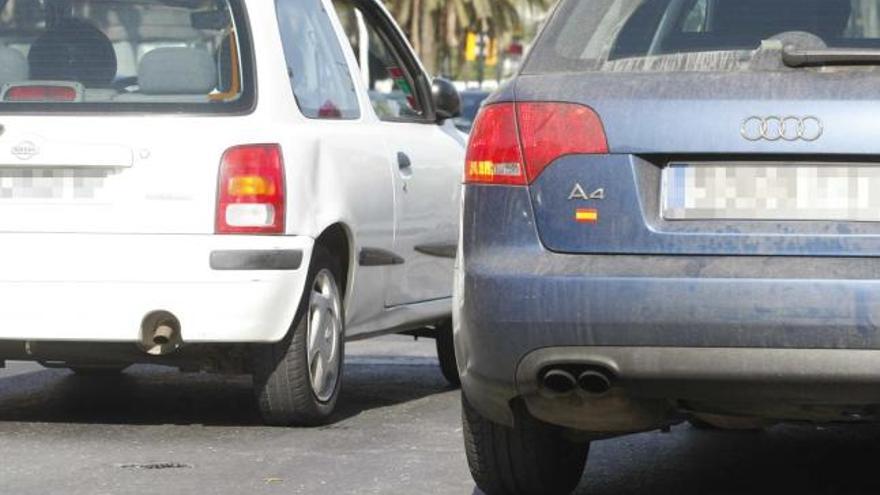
point(671, 214)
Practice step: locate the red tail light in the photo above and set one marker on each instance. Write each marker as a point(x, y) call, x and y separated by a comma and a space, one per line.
point(251, 190)
point(553, 130)
point(38, 94)
point(513, 143)
point(494, 155)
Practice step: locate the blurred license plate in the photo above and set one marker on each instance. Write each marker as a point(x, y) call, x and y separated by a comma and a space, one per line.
point(771, 191)
point(58, 184)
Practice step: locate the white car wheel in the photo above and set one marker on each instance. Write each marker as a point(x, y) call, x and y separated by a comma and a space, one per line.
point(324, 335)
point(297, 381)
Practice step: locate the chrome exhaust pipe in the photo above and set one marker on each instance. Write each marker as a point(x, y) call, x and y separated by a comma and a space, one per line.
point(595, 382)
point(160, 334)
point(163, 334)
point(558, 381)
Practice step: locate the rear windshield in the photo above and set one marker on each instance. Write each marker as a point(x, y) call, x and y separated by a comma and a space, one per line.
point(147, 55)
point(697, 35)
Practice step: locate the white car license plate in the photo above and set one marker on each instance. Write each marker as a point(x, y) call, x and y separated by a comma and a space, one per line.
point(52, 184)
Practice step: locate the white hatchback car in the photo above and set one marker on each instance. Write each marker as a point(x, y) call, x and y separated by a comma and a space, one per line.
point(222, 185)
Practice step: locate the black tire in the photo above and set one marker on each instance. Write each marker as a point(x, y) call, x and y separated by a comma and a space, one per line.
point(446, 353)
point(282, 384)
point(98, 371)
point(533, 458)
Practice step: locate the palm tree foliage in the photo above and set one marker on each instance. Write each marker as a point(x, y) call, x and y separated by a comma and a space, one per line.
point(437, 28)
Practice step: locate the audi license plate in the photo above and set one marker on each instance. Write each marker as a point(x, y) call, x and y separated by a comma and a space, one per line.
point(771, 191)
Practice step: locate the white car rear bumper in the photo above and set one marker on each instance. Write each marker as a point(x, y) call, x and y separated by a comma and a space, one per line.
point(89, 287)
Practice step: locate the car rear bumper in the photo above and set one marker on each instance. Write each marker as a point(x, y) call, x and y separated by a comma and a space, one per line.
point(655, 386)
point(99, 288)
point(670, 328)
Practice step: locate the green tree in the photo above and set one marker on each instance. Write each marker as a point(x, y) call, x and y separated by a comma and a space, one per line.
point(437, 28)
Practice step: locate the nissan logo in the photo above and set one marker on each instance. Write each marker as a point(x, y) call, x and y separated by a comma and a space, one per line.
point(25, 150)
point(782, 128)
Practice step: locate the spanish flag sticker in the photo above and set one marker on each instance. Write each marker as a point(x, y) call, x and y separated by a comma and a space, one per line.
point(586, 215)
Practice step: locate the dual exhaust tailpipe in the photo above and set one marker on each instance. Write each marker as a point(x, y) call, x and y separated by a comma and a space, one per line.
point(592, 381)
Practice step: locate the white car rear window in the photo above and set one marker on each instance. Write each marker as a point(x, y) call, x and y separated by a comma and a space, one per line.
point(162, 55)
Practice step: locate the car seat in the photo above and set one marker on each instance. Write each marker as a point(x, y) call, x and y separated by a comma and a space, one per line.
point(74, 50)
point(180, 71)
point(13, 66)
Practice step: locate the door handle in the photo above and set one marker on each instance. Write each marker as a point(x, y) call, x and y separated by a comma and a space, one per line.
point(403, 161)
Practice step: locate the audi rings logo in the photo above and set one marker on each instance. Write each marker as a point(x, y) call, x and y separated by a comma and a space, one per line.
point(782, 129)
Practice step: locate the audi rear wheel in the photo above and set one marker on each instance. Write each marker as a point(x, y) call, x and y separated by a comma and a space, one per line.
point(532, 458)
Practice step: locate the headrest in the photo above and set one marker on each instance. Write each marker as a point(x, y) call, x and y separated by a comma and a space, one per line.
point(177, 71)
point(13, 66)
point(765, 18)
point(73, 50)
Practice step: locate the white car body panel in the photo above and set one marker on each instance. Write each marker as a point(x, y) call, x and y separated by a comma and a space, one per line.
point(91, 270)
point(424, 216)
point(99, 287)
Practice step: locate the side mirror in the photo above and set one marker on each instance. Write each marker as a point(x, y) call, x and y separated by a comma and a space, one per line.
point(447, 100)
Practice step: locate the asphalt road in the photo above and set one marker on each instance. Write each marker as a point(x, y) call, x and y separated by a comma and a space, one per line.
point(158, 431)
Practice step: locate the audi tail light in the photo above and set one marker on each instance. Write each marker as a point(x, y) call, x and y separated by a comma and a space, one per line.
point(512, 143)
point(251, 190)
point(494, 155)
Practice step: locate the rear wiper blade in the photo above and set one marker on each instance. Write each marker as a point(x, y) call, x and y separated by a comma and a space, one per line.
point(795, 57)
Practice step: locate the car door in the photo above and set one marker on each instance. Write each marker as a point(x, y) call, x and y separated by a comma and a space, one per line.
point(426, 156)
point(336, 173)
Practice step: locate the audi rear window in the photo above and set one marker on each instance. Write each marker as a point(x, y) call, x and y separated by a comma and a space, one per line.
point(697, 35)
point(140, 55)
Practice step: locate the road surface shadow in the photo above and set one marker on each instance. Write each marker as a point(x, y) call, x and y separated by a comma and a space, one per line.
point(802, 459)
point(151, 395)
point(799, 459)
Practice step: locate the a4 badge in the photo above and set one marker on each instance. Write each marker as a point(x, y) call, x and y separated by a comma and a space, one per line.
point(586, 215)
